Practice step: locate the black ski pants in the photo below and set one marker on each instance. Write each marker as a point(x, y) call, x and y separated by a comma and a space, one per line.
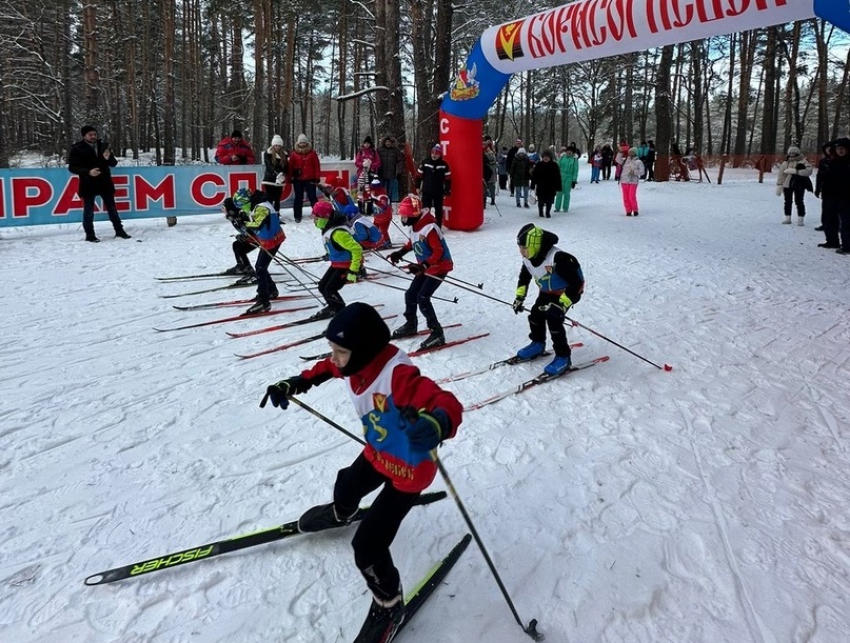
point(539, 319)
point(419, 294)
point(265, 283)
point(830, 220)
point(435, 202)
point(330, 284)
point(241, 247)
point(378, 528)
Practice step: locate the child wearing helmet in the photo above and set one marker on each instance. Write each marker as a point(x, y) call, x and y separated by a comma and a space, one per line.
point(405, 417)
point(237, 209)
point(433, 263)
point(344, 252)
point(559, 277)
point(362, 228)
point(383, 218)
point(264, 229)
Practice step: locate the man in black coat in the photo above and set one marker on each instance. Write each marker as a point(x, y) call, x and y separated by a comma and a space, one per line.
point(433, 178)
point(90, 159)
point(837, 184)
point(392, 165)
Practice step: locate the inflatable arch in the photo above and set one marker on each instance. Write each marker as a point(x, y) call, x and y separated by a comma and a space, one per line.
point(576, 32)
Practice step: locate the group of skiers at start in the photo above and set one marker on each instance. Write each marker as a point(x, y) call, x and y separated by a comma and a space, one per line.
point(405, 416)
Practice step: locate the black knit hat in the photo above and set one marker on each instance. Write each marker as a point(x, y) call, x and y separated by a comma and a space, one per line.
point(236, 134)
point(368, 140)
point(85, 129)
point(359, 328)
point(842, 142)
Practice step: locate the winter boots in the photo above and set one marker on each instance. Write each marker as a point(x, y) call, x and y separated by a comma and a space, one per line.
point(801, 221)
point(320, 518)
point(436, 338)
point(787, 220)
point(382, 622)
point(561, 364)
point(534, 349)
point(408, 329)
point(122, 234)
point(93, 239)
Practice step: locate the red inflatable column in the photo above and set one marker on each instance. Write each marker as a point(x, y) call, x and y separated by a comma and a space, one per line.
point(463, 151)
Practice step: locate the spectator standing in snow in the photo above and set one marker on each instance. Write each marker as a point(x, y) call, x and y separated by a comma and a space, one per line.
point(829, 221)
point(632, 170)
point(502, 164)
point(568, 168)
point(520, 173)
point(650, 160)
point(837, 183)
point(275, 160)
point(433, 177)
point(91, 160)
point(792, 181)
point(607, 161)
point(595, 165)
point(490, 171)
point(234, 150)
point(391, 167)
point(546, 176)
point(509, 161)
point(304, 173)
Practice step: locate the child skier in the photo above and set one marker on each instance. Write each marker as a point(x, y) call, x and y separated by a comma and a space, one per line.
point(264, 229)
point(237, 210)
point(405, 417)
point(433, 263)
point(561, 283)
point(345, 255)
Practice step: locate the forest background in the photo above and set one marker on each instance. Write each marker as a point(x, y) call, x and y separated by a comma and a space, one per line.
point(169, 78)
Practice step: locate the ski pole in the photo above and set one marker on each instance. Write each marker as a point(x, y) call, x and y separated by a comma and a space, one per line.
point(666, 367)
point(473, 291)
point(381, 283)
point(531, 629)
point(448, 278)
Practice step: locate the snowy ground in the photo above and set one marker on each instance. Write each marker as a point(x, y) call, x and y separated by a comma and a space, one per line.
point(621, 504)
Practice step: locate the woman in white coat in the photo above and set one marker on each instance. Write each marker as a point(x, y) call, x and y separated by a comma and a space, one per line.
point(792, 181)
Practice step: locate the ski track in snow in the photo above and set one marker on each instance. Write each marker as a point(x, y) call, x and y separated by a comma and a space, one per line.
point(621, 504)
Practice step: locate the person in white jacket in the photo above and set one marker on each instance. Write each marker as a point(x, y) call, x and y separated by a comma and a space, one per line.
point(792, 181)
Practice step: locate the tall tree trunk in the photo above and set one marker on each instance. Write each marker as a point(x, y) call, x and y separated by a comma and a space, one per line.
point(168, 28)
point(91, 77)
point(822, 85)
point(663, 114)
point(768, 123)
point(747, 49)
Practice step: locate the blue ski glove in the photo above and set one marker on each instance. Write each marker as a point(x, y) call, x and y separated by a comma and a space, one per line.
point(279, 393)
point(425, 431)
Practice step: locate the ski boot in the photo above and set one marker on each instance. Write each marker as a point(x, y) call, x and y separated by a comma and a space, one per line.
point(248, 278)
point(382, 622)
point(261, 306)
point(235, 270)
point(534, 349)
point(325, 313)
point(122, 234)
point(558, 366)
point(436, 338)
point(408, 329)
point(321, 517)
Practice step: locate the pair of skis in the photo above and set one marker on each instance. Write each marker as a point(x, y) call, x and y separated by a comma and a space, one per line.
point(412, 602)
point(234, 318)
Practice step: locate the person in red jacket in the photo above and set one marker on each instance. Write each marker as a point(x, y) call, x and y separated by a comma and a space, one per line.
point(433, 263)
point(235, 150)
point(405, 417)
point(304, 174)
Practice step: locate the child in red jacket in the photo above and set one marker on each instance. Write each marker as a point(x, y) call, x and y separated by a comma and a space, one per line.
point(405, 417)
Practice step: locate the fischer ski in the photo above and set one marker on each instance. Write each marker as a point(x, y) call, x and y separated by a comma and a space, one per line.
point(225, 320)
point(226, 546)
point(540, 379)
point(424, 589)
point(239, 302)
point(297, 342)
point(420, 351)
point(511, 361)
point(269, 329)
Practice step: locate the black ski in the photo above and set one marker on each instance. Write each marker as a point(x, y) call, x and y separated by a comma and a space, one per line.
point(237, 284)
point(221, 547)
point(423, 591)
point(225, 320)
point(238, 302)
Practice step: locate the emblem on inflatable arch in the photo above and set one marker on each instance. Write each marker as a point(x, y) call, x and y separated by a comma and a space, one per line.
point(465, 86)
point(509, 42)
